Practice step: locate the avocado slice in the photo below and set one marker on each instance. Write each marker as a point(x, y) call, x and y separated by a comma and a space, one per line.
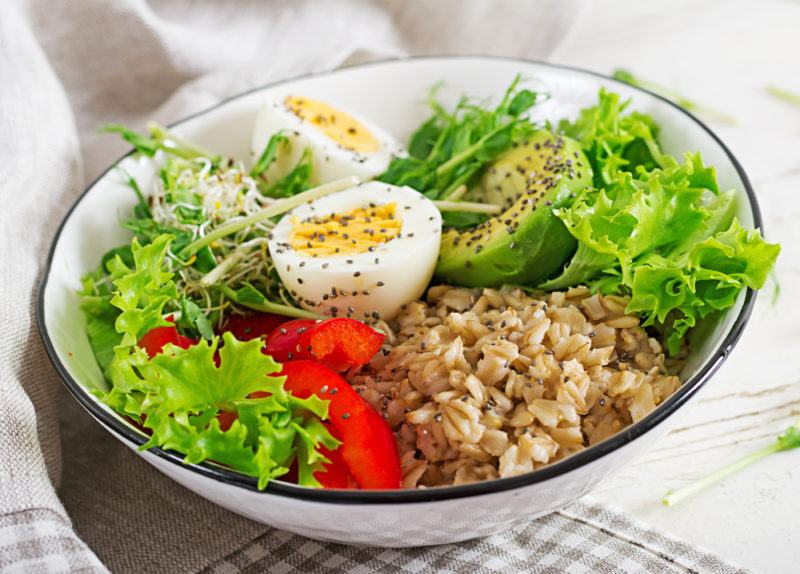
point(527, 243)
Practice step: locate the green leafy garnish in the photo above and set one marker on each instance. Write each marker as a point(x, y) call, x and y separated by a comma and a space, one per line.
point(657, 230)
point(616, 224)
point(790, 439)
point(669, 239)
point(297, 180)
point(676, 290)
point(184, 391)
point(613, 140)
point(785, 95)
point(161, 138)
point(180, 394)
point(452, 148)
point(193, 321)
point(269, 155)
point(685, 103)
point(100, 317)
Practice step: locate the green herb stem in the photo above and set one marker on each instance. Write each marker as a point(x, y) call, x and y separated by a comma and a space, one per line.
point(785, 95)
point(273, 210)
point(457, 193)
point(673, 498)
point(789, 440)
point(270, 307)
point(213, 276)
point(179, 146)
point(454, 161)
point(468, 207)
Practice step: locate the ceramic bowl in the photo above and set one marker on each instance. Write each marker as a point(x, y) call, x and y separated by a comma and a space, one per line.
point(391, 94)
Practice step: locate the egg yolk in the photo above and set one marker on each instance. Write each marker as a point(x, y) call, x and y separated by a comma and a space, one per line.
point(355, 231)
point(339, 126)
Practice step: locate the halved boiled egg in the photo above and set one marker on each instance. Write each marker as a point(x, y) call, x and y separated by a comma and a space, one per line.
point(341, 143)
point(363, 252)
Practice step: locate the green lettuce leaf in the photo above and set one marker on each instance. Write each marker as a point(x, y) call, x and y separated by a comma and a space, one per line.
point(632, 216)
point(100, 317)
point(179, 394)
point(141, 293)
point(186, 389)
point(613, 141)
point(193, 321)
point(677, 290)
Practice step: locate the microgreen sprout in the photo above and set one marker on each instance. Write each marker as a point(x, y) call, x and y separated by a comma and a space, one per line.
point(790, 439)
point(161, 138)
point(785, 95)
point(277, 208)
point(468, 207)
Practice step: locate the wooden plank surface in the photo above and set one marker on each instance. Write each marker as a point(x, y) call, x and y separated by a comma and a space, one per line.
point(724, 53)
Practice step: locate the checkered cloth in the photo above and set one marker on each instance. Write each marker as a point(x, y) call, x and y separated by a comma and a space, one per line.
point(34, 541)
point(585, 537)
point(67, 67)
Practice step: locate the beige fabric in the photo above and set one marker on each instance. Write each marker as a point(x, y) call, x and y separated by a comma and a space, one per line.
point(65, 68)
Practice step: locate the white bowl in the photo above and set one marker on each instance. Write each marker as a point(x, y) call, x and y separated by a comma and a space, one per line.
point(391, 94)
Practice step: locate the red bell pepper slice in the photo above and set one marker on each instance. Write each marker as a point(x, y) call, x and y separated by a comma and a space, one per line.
point(336, 473)
point(339, 343)
point(155, 339)
point(368, 446)
point(246, 327)
point(284, 342)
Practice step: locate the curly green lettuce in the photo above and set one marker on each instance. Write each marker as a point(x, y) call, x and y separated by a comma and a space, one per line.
point(615, 141)
point(659, 231)
point(677, 289)
point(180, 394)
point(617, 223)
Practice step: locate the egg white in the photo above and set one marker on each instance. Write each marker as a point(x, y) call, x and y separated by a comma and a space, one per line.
point(331, 160)
point(370, 285)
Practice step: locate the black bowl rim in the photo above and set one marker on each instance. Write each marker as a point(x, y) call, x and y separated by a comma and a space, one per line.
point(589, 455)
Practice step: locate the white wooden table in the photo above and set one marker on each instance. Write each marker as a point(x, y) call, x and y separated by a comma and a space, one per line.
point(724, 53)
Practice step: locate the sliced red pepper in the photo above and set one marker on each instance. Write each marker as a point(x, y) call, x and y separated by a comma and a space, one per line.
point(246, 327)
point(368, 446)
point(339, 343)
point(336, 473)
point(226, 419)
point(284, 342)
point(155, 339)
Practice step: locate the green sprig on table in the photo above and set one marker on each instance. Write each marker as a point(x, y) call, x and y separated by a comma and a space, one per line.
point(790, 439)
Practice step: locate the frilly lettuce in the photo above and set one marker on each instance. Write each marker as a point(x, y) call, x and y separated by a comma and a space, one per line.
point(616, 224)
point(183, 392)
point(657, 230)
point(614, 142)
point(678, 289)
point(179, 394)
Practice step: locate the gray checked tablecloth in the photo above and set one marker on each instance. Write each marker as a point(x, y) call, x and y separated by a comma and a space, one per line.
point(73, 499)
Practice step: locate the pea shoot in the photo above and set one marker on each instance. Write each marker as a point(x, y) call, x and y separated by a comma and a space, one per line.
point(790, 439)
